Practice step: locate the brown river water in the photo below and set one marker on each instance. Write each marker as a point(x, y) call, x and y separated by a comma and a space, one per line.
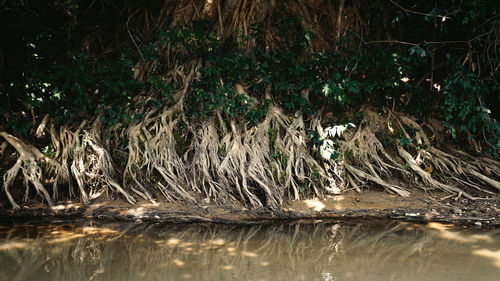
point(320, 250)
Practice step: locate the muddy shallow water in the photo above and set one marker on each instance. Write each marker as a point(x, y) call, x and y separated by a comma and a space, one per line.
point(318, 250)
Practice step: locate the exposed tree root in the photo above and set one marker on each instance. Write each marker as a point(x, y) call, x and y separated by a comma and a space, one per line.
point(366, 158)
point(204, 163)
point(301, 166)
point(285, 168)
point(233, 170)
point(27, 162)
point(228, 162)
point(472, 171)
point(258, 166)
point(237, 166)
point(426, 176)
point(153, 159)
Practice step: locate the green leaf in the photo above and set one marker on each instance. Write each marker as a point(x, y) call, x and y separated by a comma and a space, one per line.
point(405, 142)
point(326, 90)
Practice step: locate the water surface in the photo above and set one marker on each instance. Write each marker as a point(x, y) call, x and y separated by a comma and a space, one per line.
point(292, 251)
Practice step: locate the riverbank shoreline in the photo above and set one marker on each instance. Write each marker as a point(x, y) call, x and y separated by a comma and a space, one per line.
point(419, 208)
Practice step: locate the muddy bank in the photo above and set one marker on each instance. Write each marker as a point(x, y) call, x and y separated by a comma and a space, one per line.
point(367, 205)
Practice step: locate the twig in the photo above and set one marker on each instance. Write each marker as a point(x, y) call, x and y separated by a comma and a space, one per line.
point(339, 20)
point(391, 41)
point(426, 14)
point(219, 12)
point(130, 34)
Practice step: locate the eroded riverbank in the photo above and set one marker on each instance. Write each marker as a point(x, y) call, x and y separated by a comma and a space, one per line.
point(367, 205)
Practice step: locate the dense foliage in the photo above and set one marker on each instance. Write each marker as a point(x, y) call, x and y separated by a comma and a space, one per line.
point(74, 59)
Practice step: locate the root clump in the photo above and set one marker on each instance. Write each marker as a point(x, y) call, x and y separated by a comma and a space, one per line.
point(259, 166)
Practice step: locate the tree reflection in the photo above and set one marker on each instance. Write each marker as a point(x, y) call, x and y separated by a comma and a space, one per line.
point(292, 251)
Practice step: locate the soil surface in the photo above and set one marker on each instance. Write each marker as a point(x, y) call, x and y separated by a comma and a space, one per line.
point(419, 207)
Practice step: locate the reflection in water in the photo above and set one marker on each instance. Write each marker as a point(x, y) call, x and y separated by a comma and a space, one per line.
point(297, 251)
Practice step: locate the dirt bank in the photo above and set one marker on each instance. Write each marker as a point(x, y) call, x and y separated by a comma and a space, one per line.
point(352, 205)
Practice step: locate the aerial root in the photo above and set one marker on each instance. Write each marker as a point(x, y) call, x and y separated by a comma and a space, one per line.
point(357, 173)
point(104, 167)
point(204, 162)
point(152, 158)
point(91, 165)
point(233, 168)
point(224, 166)
point(365, 159)
point(133, 133)
point(230, 163)
point(483, 170)
point(152, 154)
point(426, 177)
point(243, 163)
point(27, 162)
point(301, 164)
point(445, 166)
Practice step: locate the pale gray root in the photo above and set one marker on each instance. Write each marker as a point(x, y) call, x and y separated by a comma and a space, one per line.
point(153, 159)
point(366, 159)
point(233, 168)
point(67, 145)
point(244, 169)
point(91, 164)
point(33, 173)
point(256, 141)
point(133, 134)
point(160, 155)
point(3, 146)
point(41, 128)
point(204, 162)
point(86, 171)
point(476, 186)
point(367, 153)
point(78, 171)
point(63, 142)
point(27, 162)
point(353, 183)
point(357, 173)
point(248, 166)
point(300, 165)
point(260, 166)
point(8, 179)
point(483, 178)
point(420, 136)
point(483, 169)
point(444, 165)
point(365, 147)
point(475, 168)
point(104, 166)
point(426, 177)
point(489, 165)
